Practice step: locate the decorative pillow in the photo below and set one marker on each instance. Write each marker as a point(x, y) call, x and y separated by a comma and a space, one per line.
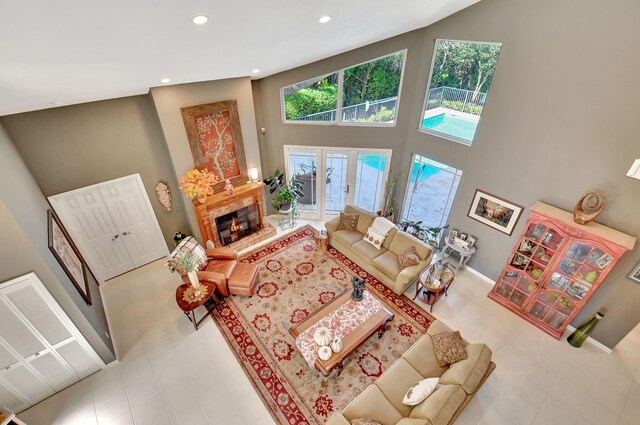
point(419, 392)
point(374, 238)
point(448, 348)
point(364, 421)
point(408, 258)
point(348, 221)
point(190, 244)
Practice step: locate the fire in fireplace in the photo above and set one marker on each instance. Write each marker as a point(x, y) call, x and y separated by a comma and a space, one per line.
point(236, 225)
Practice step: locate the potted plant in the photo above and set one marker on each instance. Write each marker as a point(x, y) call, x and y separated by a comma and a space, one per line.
point(434, 235)
point(387, 211)
point(286, 194)
point(413, 227)
point(185, 263)
point(198, 184)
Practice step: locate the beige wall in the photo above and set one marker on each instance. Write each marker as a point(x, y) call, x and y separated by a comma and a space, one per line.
point(77, 146)
point(169, 99)
point(560, 120)
point(24, 249)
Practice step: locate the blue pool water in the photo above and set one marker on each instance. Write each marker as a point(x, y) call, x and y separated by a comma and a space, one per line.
point(452, 125)
point(426, 171)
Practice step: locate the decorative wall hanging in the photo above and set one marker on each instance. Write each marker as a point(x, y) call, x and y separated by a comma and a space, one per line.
point(216, 142)
point(494, 211)
point(634, 274)
point(589, 207)
point(68, 256)
point(164, 195)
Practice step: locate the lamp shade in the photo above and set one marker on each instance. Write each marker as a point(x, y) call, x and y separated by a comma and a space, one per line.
point(253, 173)
point(634, 171)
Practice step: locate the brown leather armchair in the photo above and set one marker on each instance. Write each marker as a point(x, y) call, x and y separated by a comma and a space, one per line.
point(222, 263)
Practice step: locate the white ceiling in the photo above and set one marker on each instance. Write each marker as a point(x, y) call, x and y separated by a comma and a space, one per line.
point(73, 51)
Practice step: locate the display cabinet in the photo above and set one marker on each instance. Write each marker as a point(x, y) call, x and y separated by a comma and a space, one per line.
point(556, 266)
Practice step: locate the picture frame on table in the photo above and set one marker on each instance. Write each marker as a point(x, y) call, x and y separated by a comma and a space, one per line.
point(495, 212)
point(463, 236)
point(634, 274)
point(453, 234)
point(471, 241)
point(67, 254)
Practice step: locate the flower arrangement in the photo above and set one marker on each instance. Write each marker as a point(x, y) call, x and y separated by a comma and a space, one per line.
point(198, 183)
point(183, 263)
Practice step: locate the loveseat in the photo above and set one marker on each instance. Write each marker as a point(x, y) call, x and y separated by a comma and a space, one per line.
point(383, 263)
point(382, 400)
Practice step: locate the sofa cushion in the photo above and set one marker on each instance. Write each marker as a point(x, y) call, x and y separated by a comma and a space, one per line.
point(395, 382)
point(412, 421)
point(408, 258)
point(225, 267)
point(440, 406)
point(371, 403)
point(373, 238)
point(347, 237)
point(365, 217)
point(388, 264)
point(348, 221)
point(420, 355)
point(402, 241)
point(367, 251)
point(448, 348)
point(364, 421)
point(389, 238)
point(420, 391)
point(469, 373)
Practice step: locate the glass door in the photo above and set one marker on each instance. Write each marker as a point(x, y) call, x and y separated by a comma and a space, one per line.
point(371, 175)
point(302, 164)
point(337, 178)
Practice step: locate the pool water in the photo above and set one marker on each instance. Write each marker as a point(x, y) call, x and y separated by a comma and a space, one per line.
point(452, 125)
point(426, 171)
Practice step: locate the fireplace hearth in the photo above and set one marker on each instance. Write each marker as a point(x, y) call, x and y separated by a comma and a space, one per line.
point(238, 224)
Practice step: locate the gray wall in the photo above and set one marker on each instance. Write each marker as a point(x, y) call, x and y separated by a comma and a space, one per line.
point(169, 99)
point(560, 120)
point(76, 146)
point(23, 219)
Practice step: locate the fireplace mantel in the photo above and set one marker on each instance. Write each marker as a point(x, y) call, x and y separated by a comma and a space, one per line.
point(220, 204)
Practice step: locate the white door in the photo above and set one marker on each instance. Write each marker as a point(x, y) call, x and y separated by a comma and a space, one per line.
point(113, 225)
point(345, 176)
point(41, 351)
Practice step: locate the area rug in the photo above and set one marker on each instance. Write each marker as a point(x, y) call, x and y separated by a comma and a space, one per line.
point(295, 280)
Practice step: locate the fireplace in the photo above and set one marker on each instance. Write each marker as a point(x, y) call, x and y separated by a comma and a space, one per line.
point(238, 224)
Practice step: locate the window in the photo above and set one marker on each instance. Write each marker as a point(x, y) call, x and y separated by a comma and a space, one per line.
point(364, 94)
point(430, 192)
point(461, 73)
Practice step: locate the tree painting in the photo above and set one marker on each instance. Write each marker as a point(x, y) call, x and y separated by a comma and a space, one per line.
point(215, 137)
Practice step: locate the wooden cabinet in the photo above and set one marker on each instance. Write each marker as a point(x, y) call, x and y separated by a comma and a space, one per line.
point(556, 266)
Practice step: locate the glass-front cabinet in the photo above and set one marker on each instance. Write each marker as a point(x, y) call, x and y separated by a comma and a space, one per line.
point(555, 267)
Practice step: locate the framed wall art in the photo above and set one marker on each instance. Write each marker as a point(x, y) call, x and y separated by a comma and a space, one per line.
point(215, 139)
point(494, 211)
point(68, 256)
point(634, 274)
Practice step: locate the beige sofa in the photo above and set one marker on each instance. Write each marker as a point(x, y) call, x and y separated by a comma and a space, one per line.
point(382, 401)
point(381, 264)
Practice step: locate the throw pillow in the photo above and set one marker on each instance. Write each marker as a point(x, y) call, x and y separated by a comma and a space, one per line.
point(348, 221)
point(374, 238)
point(191, 244)
point(448, 348)
point(364, 421)
point(408, 258)
point(419, 392)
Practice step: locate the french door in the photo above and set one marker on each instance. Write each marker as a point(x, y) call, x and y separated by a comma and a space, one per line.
point(335, 177)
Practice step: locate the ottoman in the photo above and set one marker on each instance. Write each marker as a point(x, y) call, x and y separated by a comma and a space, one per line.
point(243, 279)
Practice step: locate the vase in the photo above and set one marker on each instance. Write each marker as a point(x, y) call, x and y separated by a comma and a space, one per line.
point(202, 199)
point(580, 335)
point(193, 278)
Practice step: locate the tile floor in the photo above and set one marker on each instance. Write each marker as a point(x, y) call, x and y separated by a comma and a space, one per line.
point(170, 374)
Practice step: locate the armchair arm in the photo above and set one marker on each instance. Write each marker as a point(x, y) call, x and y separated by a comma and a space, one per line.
point(332, 225)
point(218, 280)
point(337, 419)
point(222, 254)
point(408, 275)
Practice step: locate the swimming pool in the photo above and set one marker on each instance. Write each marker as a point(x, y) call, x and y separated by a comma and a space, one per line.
point(426, 171)
point(452, 125)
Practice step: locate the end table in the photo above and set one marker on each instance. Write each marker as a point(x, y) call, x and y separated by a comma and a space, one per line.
point(465, 255)
point(188, 307)
point(434, 282)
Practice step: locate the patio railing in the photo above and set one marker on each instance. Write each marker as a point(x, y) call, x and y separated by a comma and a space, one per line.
point(456, 99)
point(359, 112)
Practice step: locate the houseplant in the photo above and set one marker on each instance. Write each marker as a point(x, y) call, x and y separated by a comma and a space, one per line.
point(434, 235)
point(185, 263)
point(198, 184)
point(286, 193)
point(387, 211)
point(413, 227)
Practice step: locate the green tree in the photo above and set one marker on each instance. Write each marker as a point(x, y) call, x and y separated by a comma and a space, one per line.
point(374, 80)
point(320, 96)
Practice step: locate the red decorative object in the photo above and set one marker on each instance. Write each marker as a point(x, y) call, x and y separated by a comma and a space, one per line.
point(292, 392)
point(556, 266)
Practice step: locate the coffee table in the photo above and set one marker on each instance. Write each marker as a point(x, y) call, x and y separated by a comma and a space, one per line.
point(365, 322)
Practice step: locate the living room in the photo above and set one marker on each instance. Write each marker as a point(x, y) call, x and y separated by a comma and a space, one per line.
point(557, 122)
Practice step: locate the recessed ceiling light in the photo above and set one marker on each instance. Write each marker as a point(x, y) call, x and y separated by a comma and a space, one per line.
point(324, 19)
point(255, 71)
point(165, 80)
point(200, 19)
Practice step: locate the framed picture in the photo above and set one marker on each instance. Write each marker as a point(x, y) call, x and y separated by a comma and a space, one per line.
point(215, 139)
point(67, 254)
point(634, 274)
point(604, 261)
point(463, 236)
point(494, 211)
point(452, 235)
point(471, 241)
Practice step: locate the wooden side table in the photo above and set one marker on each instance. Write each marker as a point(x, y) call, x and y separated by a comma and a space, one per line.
point(322, 242)
point(450, 247)
point(189, 307)
point(428, 291)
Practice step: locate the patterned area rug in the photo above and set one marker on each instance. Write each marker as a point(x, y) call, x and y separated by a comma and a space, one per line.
point(295, 280)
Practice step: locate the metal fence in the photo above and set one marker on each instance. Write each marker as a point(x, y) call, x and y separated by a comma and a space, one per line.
point(456, 99)
point(359, 112)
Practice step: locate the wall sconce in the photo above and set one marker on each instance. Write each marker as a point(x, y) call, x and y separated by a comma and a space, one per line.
point(634, 171)
point(253, 174)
